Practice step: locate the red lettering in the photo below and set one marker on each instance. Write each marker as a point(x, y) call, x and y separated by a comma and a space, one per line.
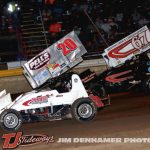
point(8, 137)
point(118, 76)
point(115, 53)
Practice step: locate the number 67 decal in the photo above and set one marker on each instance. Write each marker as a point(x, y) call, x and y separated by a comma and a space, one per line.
point(138, 42)
point(67, 46)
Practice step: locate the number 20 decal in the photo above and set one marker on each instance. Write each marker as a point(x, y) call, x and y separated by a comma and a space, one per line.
point(67, 46)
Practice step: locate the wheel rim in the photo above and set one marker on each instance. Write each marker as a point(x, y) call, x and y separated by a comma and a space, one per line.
point(11, 120)
point(85, 110)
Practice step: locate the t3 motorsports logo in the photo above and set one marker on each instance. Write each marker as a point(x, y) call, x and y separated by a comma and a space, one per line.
point(13, 140)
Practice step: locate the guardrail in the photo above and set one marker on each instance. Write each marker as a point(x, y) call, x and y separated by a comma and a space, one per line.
point(11, 72)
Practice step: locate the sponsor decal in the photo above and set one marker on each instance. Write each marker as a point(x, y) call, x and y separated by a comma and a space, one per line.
point(53, 67)
point(117, 77)
point(59, 95)
point(63, 65)
point(13, 140)
point(116, 52)
point(36, 100)
point(89, 77)
point(39, 61)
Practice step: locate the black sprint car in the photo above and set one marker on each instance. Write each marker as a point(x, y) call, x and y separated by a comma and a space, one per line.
point(134, 74)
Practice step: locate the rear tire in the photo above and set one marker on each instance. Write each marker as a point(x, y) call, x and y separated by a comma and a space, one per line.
point(10, 120)
point(99, 90)
point(83, 110)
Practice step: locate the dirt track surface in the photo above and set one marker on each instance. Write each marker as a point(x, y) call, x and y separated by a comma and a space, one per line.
point(127, 117)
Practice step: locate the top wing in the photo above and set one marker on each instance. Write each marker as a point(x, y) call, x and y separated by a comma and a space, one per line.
point(125, 49)
point(55, 60)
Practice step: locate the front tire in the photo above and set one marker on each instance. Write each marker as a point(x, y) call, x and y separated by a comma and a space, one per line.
point(10, 120)
point(83, 110)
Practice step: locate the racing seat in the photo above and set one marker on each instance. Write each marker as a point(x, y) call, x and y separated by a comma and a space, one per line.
point(64, 83)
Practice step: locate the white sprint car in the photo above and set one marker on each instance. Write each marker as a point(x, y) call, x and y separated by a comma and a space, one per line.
point(46, 103)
